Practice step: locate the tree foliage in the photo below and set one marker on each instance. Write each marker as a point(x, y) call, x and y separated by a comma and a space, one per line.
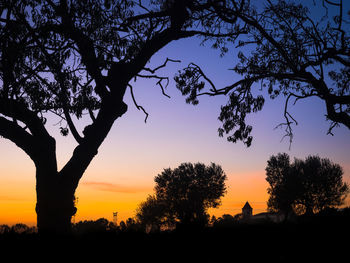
point(183, 195)
point(305, 186)
point(190, 189)
point(291, 49)
point(64, 56)
point(152, 214)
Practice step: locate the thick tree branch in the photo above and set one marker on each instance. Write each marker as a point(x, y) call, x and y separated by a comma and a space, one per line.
point(19, 136)
point(94, 135)
point(19, 111)
point(337, 117)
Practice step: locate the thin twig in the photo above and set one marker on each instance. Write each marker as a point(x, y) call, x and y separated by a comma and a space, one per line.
point(159, 82)
point(137, 106)
point(204, 76)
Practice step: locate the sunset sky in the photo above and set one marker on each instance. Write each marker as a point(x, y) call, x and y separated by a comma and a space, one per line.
point(122, 174)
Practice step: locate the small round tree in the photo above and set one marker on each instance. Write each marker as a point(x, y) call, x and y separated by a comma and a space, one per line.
point(189, 190)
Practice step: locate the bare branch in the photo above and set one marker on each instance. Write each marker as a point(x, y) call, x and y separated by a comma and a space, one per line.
point(146, 16)
point(159, 82)
point(334, 124)
point(92, 116)
point(332, 3)
point(143, 7)
point(162, 88)
point(137, 106)
point(71, 125)
point(289, 121)
point(298, 97)
point(161, 66)
point(204, 76)
point(216, 35)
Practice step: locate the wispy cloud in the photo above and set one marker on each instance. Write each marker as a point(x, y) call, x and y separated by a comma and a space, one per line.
point(109, 187)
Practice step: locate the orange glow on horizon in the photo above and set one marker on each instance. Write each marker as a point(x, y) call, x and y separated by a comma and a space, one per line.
point(101, 199)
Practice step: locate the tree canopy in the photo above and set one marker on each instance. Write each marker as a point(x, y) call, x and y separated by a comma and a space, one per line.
point(65, 57)
point(293, 49)
point(305, 186)
point(184, 195)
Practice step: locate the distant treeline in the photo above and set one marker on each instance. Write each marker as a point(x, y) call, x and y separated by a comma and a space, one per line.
point(311, 238)
point(131, 225)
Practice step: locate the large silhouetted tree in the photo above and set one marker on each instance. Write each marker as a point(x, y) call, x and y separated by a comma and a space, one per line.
point(291, 50)
point(73, 58)
point(189, 190)
point(305, 186)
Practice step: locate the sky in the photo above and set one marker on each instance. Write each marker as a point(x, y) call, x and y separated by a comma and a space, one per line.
point(122, 174)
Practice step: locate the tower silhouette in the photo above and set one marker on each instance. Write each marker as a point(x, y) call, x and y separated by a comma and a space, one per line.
point(115, 217)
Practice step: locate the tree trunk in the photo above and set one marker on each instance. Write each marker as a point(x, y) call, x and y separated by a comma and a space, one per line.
point(55, 190)
point(55, 206)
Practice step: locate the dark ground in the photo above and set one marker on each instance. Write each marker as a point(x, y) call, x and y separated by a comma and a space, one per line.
point(311, 239)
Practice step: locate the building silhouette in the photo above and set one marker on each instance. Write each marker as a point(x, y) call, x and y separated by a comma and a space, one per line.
point(248, 217)
point(247, 211)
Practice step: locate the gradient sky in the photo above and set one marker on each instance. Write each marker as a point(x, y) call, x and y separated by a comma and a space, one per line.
point(121, 175)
